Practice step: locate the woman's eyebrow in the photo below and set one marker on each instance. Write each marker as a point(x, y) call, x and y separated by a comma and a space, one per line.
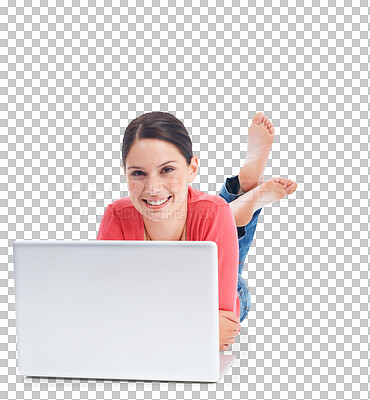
point(157, 167)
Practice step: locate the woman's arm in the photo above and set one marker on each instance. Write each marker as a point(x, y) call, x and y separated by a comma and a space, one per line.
point(229, 328)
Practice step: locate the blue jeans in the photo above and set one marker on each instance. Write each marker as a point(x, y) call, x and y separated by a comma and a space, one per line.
point(229, 192)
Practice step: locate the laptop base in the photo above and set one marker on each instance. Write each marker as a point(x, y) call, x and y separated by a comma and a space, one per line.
point(226, 362)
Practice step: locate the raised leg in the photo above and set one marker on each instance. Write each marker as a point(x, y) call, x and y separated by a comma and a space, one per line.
point(229, 192)
point(266, 193)
point(260, 138)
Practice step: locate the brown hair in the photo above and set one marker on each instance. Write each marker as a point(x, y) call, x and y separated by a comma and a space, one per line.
point(157, 125)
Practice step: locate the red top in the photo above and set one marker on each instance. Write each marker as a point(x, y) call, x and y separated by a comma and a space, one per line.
point(209, 219)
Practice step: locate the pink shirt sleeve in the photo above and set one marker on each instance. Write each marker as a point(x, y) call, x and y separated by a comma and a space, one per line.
point(223, 232)
point(110, 226)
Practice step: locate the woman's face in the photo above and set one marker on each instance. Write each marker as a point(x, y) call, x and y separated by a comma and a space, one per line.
point(156, 170)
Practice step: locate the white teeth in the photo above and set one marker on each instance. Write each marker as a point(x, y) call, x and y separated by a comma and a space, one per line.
point(156, 203)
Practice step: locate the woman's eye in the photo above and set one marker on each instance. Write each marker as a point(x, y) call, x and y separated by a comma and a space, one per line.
point(168, 168)
point(140, 172)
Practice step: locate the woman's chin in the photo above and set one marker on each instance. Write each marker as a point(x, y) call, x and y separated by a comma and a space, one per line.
point(154, 214)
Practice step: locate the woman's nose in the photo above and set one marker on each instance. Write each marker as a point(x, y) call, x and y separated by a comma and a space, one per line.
point(154, 185)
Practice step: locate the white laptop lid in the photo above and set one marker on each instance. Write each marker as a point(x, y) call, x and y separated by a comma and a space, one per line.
point(118, 310)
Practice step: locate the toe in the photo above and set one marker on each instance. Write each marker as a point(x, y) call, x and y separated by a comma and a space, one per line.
point(286, 183)
point(280, 180)
point(257, 119)
point(291, 187)
point(270, 127)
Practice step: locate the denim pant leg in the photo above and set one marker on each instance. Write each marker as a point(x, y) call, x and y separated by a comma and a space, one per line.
point(246, 233)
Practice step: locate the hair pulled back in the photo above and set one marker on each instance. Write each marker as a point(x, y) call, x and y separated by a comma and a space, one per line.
point(157, 125)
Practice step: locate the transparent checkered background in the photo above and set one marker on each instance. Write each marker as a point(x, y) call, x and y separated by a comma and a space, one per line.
point(75, 73)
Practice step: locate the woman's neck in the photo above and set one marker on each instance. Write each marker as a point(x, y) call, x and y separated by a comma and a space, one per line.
point(170, 229)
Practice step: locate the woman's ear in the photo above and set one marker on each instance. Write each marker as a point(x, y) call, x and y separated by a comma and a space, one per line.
point(193, 168)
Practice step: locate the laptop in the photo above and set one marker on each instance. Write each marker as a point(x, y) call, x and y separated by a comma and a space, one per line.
point(127, 310)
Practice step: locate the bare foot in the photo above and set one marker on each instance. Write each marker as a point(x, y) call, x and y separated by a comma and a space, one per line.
point(266, 193)
point(260, 137)
point(272, 190)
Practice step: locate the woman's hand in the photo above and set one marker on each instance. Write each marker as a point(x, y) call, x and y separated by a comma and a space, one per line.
point(229, 328)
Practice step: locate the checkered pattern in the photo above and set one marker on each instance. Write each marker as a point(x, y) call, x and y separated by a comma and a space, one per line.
point(75, 73)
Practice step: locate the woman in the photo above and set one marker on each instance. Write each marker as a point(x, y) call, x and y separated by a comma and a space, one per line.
point(159, 164)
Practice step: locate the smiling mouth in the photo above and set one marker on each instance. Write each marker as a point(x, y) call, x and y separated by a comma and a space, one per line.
point(158, 204)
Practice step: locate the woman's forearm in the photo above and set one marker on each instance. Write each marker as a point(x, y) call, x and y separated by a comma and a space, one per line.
point(229, 327)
